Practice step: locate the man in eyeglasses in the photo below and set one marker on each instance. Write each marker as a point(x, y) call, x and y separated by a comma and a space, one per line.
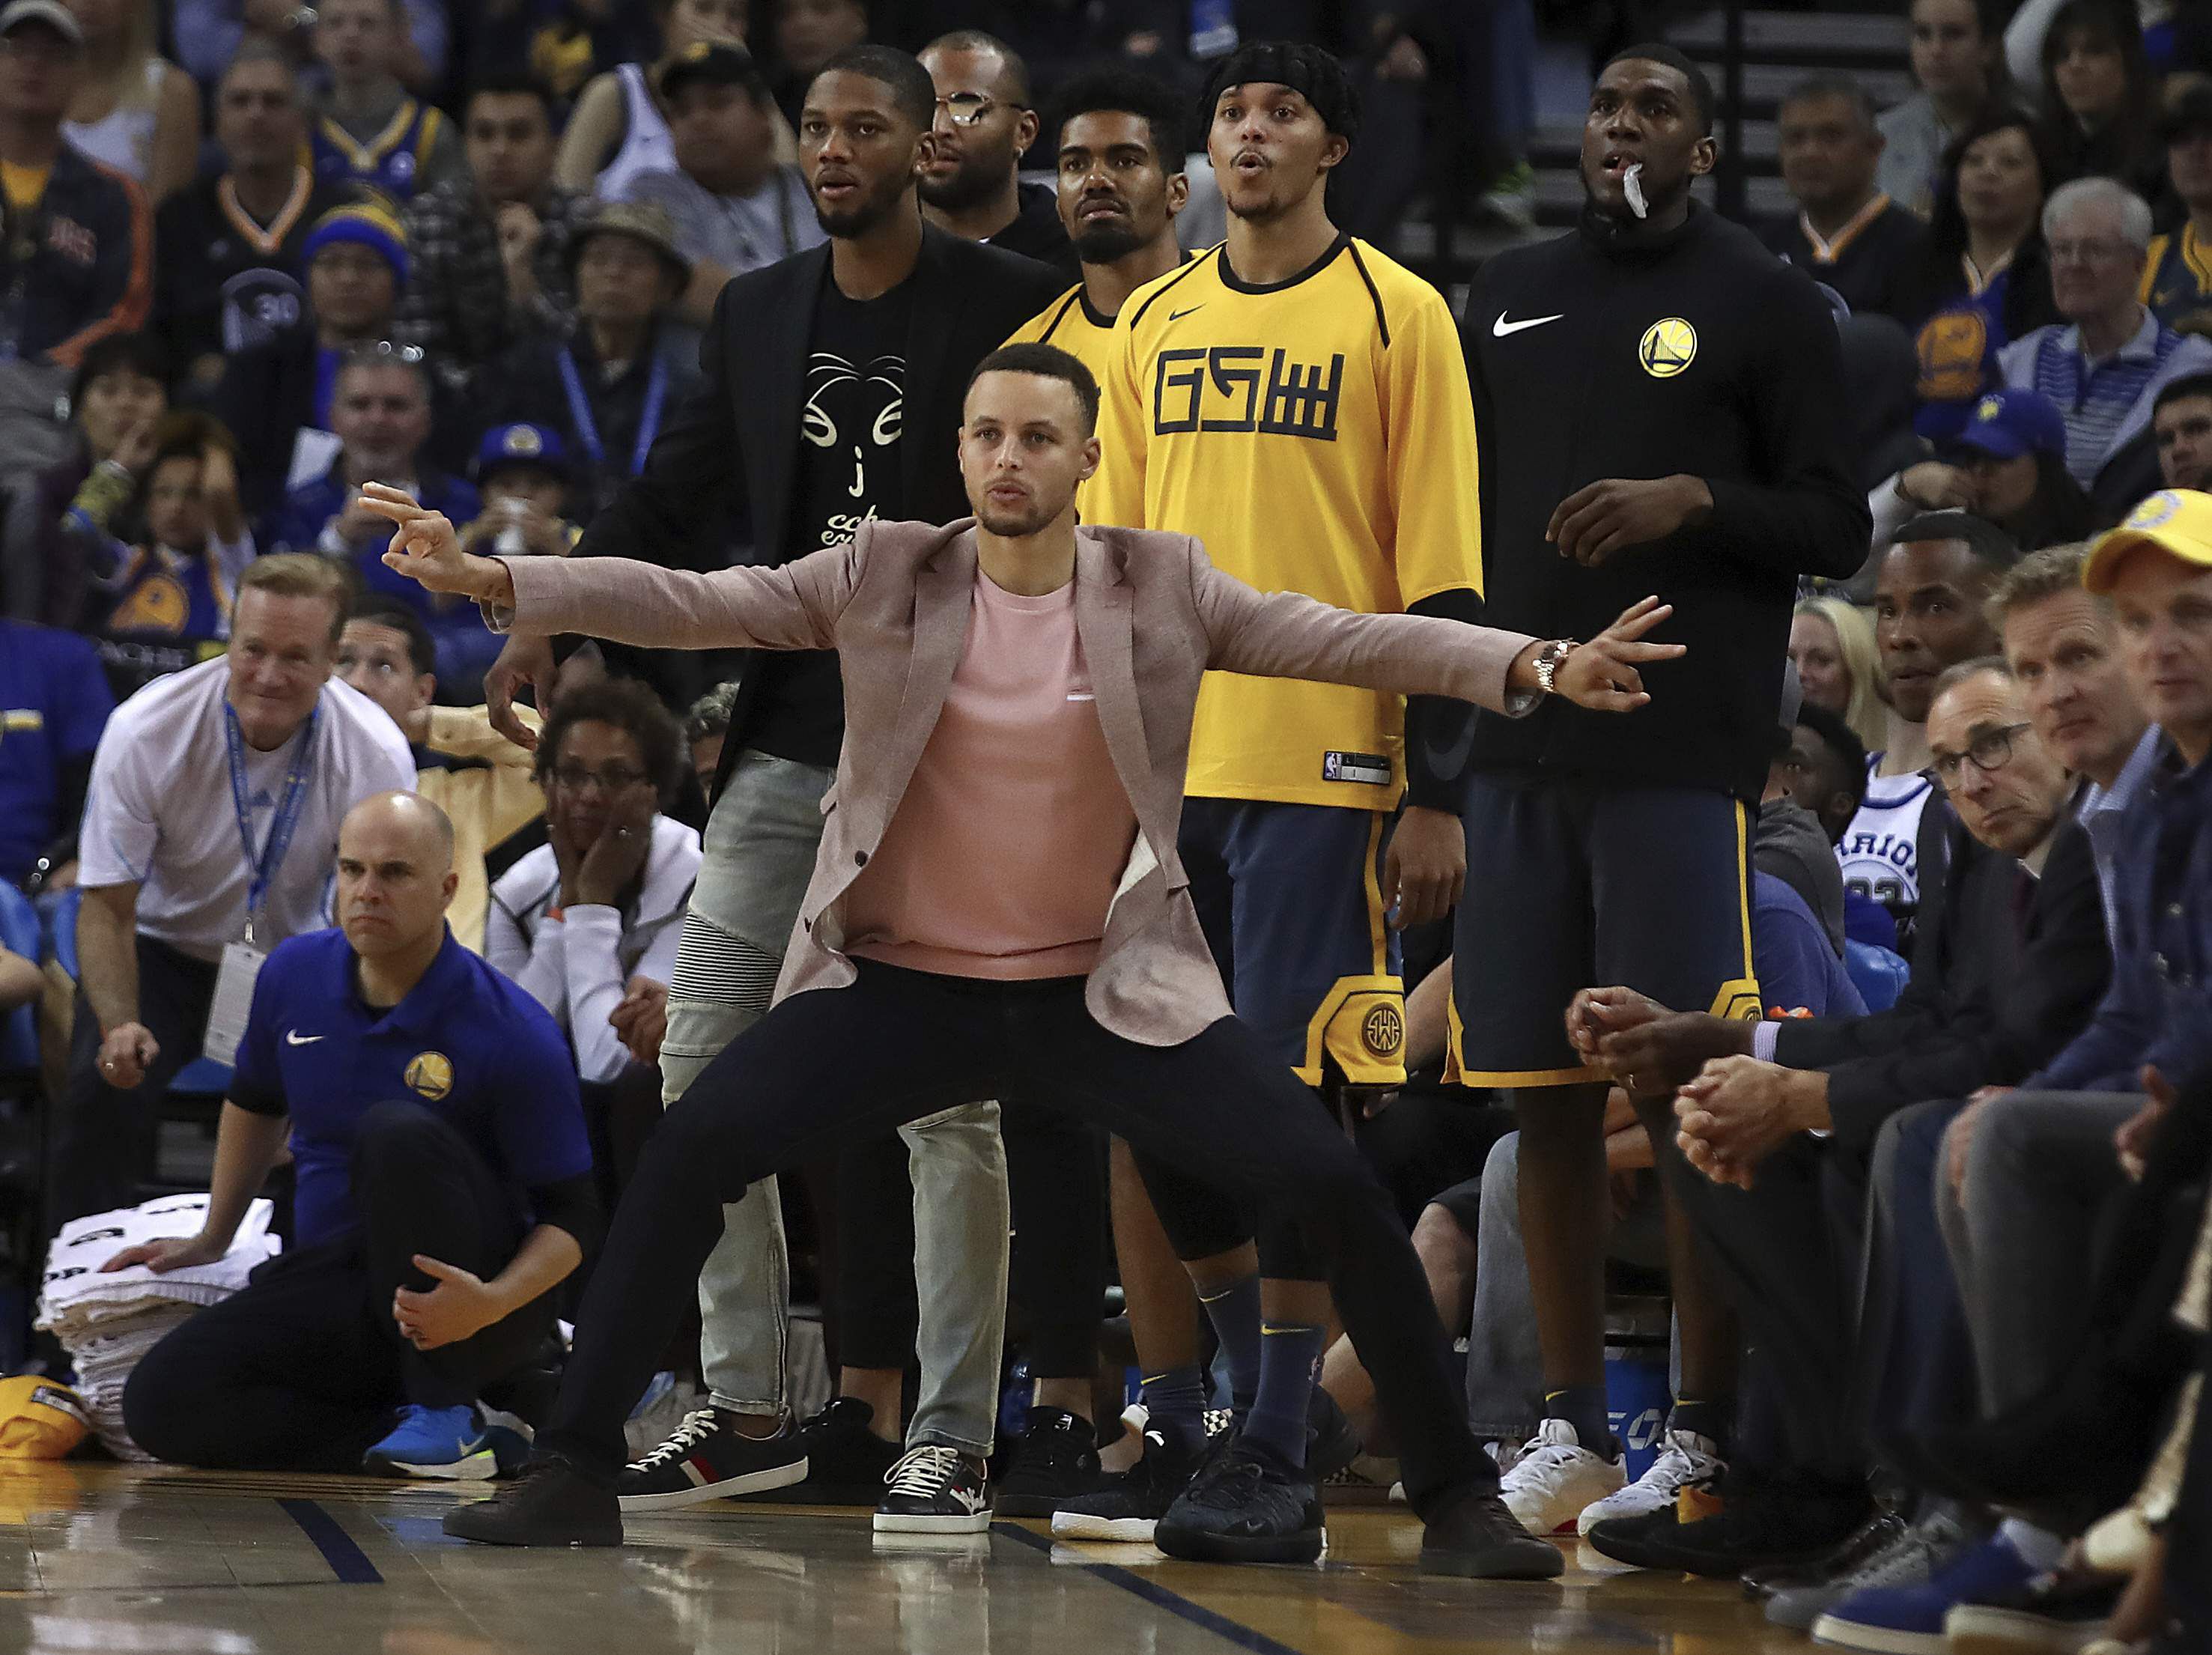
point(2012, 847)
point(973, 187)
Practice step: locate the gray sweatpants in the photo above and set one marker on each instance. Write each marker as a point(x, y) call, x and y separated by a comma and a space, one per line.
point(1504, 1364)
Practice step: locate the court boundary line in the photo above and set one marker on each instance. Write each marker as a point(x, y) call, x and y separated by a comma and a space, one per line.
point(1160, 1597)
point(347, 1560)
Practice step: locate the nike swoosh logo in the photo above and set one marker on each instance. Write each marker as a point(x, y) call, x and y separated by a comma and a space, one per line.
point(1177, 315)
point(1502, 329)
point(294, 1038)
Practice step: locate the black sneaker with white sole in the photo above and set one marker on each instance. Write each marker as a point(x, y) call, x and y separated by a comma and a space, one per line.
point(1127, 1507)
point(707, 1457)
point(933, 1489)
point(1055, 1460)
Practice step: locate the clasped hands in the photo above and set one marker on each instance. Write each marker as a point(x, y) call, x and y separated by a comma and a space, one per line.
point(1731, 1110)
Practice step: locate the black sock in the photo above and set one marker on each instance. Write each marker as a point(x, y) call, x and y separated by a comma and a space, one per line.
point(1584, 1408)
point(1713, 1419)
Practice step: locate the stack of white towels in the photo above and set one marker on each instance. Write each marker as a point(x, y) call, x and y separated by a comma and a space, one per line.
point(106, 1323)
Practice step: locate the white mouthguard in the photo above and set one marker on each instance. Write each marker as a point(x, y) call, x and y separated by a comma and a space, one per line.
point(1632, 187)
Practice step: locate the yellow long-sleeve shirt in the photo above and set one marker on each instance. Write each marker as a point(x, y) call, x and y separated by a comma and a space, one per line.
point(1318, 436)
point(485, 804)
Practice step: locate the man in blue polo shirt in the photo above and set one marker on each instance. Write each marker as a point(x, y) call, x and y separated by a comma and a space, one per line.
point(443, 1190)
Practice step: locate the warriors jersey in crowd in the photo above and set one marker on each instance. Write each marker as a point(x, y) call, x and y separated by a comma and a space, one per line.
point(1325, 418)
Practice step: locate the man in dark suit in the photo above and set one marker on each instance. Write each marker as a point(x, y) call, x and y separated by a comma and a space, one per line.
point(831, 398)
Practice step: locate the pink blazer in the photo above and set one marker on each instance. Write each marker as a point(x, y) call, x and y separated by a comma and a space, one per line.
point(1154, 616)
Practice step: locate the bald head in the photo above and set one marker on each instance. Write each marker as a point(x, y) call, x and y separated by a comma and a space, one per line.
point(395, 874)
point(402, 820)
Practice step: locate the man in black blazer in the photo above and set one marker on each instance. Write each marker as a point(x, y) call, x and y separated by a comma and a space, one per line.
point(830, 395)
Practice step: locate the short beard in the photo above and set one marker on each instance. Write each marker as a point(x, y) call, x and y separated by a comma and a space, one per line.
point(972, 184)
point(1106, 243)
point(857, 220)
point(1015, 525)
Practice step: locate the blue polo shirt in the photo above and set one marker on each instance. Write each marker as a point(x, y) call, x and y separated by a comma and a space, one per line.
point(465, 1041)
point(53, 704)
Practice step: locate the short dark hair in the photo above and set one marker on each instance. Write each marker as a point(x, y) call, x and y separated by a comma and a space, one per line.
point(914, 94)
point(1833, 83)
point(975, 39)
point(515, 83)
point(1843, 740)
point(1047, 361)
point(1128, 92)
point(120, 353)
point(1990, 545)
point(381, 608)
point(1701, 86)
point(258, 49)
point(1315, 75)
point(630, 707)
point(2189, 385)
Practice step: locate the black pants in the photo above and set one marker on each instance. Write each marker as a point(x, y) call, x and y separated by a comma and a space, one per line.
point(1785, 1250)
point(302, 1370)
point(103, 1140)
point(1057, 1186)
point(898, 1044)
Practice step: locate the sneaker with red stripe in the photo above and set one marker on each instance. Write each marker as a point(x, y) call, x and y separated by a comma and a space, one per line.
point(707, 1457)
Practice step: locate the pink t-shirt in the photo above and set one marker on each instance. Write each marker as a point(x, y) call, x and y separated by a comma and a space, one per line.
point(1002, 859)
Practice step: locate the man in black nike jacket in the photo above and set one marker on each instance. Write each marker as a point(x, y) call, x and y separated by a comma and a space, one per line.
point(1660, 405)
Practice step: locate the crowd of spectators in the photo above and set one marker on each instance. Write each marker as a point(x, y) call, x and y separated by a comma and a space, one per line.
point(472, 252)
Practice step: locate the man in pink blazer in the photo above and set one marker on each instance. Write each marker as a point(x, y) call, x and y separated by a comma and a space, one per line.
point(997, 907)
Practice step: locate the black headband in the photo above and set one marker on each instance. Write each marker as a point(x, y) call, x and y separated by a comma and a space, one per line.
point(1311, 73)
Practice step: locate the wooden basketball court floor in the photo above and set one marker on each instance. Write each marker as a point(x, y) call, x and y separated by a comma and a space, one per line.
point(98, 1558)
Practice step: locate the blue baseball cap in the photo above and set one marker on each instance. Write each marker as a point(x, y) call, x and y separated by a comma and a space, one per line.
point(2006, 424)
point(520, 444)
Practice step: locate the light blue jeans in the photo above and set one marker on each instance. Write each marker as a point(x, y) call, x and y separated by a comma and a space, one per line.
point(760, 847)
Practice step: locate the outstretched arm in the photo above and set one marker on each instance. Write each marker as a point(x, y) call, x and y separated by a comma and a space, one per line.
point(794, 606)
point(1289, 635)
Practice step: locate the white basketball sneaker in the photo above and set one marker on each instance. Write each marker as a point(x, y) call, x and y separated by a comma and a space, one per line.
point(1684, 1460)
point(1556, 1479)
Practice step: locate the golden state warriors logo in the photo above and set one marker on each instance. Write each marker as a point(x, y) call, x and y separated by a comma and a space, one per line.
point(1383, 1031)
point(2154, 511)
point(1738, 1002)
point(431, 1075)
point(157, 604)
point(1951, 348)
point(1668, 346)
point(1989, 408)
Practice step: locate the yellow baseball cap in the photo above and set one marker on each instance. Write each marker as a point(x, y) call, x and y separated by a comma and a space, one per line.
point(40, 1419)
point(2178, 521)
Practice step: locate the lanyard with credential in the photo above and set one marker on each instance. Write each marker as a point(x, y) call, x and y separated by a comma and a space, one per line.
point(587, 428)
point(281, 825)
